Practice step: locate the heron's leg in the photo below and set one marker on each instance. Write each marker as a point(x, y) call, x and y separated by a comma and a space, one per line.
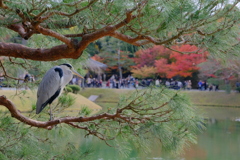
point(50, 113)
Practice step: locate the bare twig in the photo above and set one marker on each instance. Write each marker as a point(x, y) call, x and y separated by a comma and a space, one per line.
point(5, 73)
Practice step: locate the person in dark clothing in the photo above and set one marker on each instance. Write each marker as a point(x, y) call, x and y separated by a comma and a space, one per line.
point(205, 85)
point(26, 78)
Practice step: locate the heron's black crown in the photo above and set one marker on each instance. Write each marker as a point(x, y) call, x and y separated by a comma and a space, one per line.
point(60, 71)
point(67, 64)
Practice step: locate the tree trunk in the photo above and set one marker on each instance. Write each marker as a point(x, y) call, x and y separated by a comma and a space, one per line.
point(119, 65)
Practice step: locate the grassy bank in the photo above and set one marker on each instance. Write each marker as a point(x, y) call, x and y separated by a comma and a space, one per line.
point(219, 99)
point(200, 98)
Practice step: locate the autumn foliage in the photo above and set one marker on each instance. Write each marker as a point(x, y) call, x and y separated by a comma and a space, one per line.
point(144, 71)
point(168, 63)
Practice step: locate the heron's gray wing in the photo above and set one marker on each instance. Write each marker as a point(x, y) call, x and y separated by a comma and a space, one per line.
point(49, 88)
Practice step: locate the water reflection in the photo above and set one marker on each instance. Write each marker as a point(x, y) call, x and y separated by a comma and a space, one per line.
point(221, 141)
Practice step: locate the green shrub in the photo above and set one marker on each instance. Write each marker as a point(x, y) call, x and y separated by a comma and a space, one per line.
point(215, 81)
point(227, 88)
point(75, 88)
point(67, 89)
point(238, 89)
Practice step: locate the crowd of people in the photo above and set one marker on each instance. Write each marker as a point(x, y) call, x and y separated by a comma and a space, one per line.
point(93, 82)
point(203, 85)
point(133, 82)
point(130, 82)
point(176, 84)
point(115, 82)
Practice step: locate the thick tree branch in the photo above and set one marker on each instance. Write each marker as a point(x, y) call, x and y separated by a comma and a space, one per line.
point(105, 31)
point(143, 40)
point(137, 41)
point(108, 30)
point(70, 50)
point(19, 29)
point(26, 30)
point(56, 35)
point(21, 51)
point(74, 35)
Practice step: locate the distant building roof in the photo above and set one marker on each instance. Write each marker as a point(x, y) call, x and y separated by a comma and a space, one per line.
point(94, 66)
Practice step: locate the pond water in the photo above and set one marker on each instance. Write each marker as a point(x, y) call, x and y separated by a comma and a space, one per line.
point(220, 141)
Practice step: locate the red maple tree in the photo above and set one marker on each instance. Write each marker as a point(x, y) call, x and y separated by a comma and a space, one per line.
point(147, 57)
point(169, 63)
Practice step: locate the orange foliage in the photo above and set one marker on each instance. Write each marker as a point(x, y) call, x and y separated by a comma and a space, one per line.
point(169, 63)
point(144, 72)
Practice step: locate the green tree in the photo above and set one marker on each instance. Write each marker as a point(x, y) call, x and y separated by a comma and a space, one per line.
point(61, 29)
point(115, 55)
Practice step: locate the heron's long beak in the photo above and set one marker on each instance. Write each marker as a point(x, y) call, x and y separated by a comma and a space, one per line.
point(77, 74)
